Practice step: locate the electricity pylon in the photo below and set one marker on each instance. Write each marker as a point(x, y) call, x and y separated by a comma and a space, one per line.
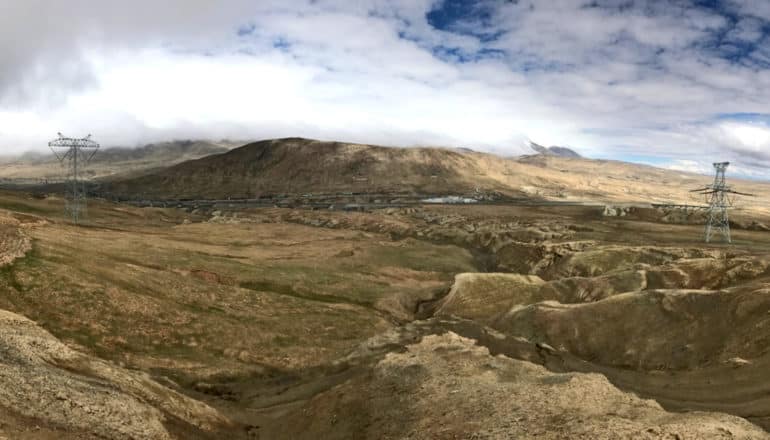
point(77, 152)
point(719, 201)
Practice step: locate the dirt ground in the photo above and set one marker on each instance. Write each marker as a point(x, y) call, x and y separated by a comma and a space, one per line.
point(521, 322)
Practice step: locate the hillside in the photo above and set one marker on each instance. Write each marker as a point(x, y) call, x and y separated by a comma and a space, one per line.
point(36, 166)
point(298, 166)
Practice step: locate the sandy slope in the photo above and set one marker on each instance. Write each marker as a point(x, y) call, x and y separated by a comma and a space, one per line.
point(47, 383)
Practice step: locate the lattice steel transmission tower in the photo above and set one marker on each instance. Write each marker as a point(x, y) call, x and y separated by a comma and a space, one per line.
point(76, 153)
point(719, 198)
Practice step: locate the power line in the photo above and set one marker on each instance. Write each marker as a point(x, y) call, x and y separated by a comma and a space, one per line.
point(77, 153)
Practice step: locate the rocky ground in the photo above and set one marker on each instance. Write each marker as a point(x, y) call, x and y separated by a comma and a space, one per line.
point(50, 390)
point(41, 378)
point(447, 387)
point(679, 322)
point(437, 322)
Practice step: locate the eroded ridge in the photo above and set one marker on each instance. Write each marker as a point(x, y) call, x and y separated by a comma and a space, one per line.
point(43, 379)
point(446, 386)
point(687, 327)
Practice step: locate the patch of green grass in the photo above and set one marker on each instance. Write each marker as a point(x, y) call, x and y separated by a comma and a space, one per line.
point(23, 207)
point(286, 340)
point(288, 290)
point(202, 308)
point(447, 259)
point(9, 273)
point(85, 339)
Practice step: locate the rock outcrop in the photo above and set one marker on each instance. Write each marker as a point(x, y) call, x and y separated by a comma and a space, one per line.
point(446, 386)
point(43, 379)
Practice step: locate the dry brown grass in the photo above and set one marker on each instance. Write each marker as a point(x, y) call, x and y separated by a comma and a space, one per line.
point(202, 299)
point(263, 316)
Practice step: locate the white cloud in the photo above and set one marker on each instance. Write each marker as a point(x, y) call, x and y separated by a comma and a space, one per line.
point(617, 80)
point(691, 166)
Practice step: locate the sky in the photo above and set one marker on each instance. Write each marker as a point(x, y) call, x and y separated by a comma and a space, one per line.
point(674, 83)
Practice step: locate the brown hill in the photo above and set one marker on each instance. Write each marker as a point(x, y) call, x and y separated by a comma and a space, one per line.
point(297, 166)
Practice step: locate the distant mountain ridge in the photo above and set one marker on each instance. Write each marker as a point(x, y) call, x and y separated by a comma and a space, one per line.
point(554, 151)
point(183, 150)
point(113, 161)
point(299, 166)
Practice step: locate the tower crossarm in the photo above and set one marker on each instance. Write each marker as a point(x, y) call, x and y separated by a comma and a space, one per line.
point(82, 144)
point(739, 193)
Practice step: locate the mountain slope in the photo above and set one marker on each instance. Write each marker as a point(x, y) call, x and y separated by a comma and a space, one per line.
point(111, 161)
point(554, 151)
point(175, 151)
point(298, 166)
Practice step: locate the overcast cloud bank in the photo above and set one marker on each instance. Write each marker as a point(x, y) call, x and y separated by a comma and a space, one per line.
point(683, 80)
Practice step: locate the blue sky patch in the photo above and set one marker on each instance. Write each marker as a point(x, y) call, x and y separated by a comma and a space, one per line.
point(456, 55)
point(754, 118)
point(281, 44)
point(465, 17)
point(246, 30)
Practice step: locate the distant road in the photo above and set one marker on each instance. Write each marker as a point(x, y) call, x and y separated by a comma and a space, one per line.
point(348, 202)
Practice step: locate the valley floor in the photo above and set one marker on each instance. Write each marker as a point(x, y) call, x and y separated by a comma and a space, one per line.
point(425, 322)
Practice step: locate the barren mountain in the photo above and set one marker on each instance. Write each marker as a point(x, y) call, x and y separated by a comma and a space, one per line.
point(298, 166)
point(554, 151)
